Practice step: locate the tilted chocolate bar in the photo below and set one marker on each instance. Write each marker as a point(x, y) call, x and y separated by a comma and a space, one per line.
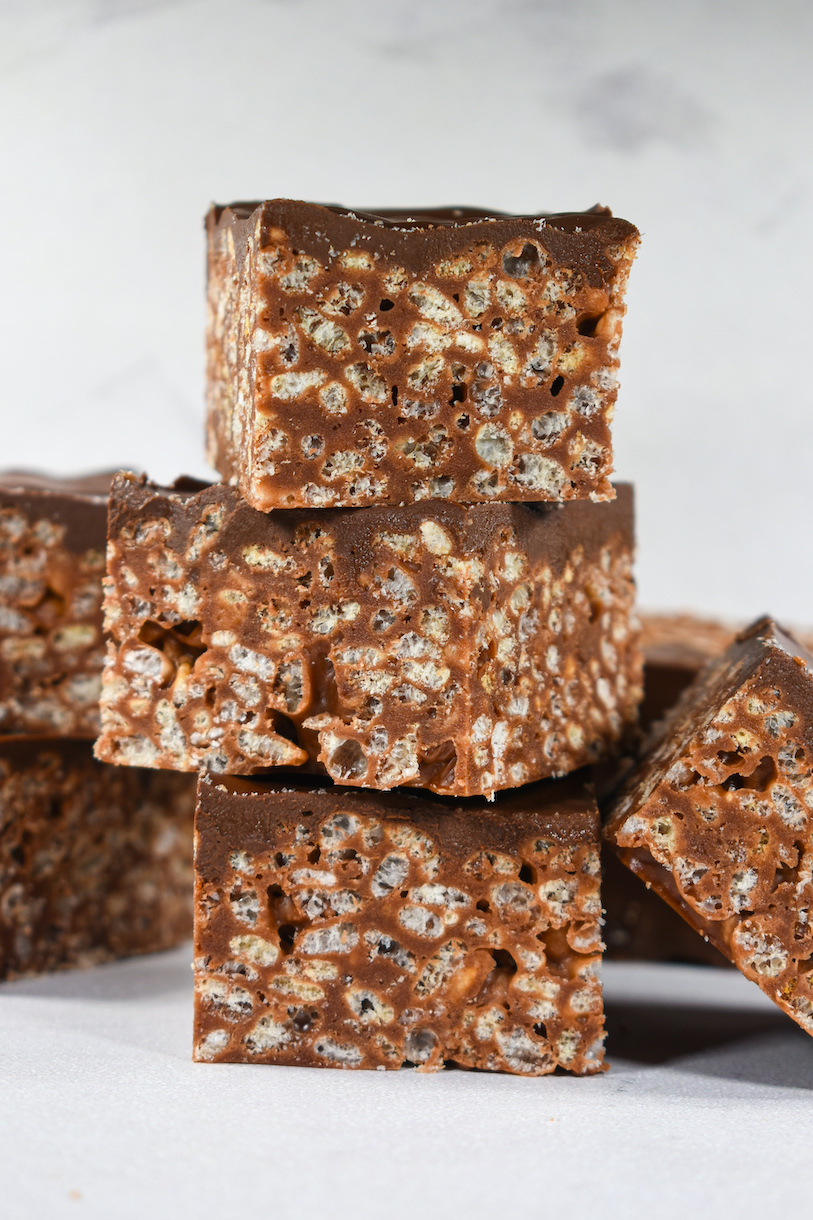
point(361, 930)
point(460, 649)
point(640, 926)
point(95, 862)
point(52, 541)
point(357, 359)
point(718, 816)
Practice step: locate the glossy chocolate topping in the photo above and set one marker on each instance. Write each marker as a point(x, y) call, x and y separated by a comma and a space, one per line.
point(249, 808)
point(421, 238)
point(79, 503)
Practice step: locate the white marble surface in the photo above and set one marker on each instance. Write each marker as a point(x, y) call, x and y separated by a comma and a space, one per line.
point(122, 119)
point(103, 1114)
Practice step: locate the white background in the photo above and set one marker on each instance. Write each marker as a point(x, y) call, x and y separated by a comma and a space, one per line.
point(123, 119)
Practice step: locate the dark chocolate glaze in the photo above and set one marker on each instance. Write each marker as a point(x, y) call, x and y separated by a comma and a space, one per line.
point(79, 503)
point(248, 810)
point(473, 525)
point(420, 238)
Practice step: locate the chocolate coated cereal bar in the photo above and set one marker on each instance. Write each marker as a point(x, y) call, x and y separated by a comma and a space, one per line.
point(358, 930)
point(357, 359)
point(52, 540)
point(459, 649)
point(675, 648)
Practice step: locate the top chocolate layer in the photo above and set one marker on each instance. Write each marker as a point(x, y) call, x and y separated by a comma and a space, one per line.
point(544, 531)
point(77, 503)
point(238, 810)
point(419, 238)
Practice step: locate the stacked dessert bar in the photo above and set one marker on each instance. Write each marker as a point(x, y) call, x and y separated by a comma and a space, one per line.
point(716, 817)
point(94, 863)
point(416, 577)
